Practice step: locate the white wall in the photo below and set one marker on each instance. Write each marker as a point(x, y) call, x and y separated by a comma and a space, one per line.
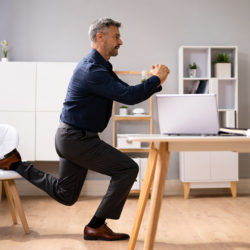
point(56, 30)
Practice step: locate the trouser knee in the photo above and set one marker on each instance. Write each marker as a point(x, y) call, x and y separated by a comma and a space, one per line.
point(68, 200)
point(133, 169)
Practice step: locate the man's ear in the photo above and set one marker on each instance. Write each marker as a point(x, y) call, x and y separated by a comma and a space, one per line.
point(99, 36)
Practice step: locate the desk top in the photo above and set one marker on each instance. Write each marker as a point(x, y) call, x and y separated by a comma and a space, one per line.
point(171, 138)
point(197, 143)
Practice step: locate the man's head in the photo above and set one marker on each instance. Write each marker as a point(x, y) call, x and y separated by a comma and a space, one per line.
point(105, 37)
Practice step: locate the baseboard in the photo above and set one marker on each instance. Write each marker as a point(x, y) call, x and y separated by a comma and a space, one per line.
point(99, 187)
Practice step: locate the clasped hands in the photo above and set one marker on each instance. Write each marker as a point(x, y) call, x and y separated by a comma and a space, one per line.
point(161, 71)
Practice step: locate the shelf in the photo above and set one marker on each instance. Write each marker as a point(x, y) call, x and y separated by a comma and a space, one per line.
point(225, 110)
point(134, 150)
point(132, 118)
point(124, 124)
point(194, 78)
point(224, 78)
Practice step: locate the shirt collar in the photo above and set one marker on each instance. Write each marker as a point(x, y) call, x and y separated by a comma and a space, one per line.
point(100, 59)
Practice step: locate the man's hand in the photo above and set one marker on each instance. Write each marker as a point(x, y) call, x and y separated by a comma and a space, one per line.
point(161, 71)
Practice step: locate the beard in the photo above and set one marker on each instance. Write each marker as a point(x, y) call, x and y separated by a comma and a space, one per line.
point(114, 51)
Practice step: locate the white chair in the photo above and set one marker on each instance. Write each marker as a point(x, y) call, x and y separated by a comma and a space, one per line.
point(8, 142)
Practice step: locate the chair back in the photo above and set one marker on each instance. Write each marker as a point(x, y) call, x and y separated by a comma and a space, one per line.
point(9, 139)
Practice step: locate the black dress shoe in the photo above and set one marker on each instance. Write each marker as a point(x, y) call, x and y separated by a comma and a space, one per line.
point(103, 233)
point(9, 159)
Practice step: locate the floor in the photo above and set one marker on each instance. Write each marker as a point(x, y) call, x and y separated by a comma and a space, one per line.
point(201, 222)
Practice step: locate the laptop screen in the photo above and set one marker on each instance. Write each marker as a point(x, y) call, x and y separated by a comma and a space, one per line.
point(188, 114)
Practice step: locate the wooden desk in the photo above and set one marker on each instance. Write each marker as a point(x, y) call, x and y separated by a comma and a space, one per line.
point(157, 167)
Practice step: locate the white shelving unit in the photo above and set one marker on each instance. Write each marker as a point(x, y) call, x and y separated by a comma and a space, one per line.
point(210, 169)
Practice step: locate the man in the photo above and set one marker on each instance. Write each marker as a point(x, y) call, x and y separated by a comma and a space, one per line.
point(86, 111)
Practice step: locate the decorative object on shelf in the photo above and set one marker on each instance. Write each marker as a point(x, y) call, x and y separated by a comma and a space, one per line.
point(138, 111)
point(222, 66)
point(123, 110)
point(4, 45)
point(144, 75)
point(192, 70)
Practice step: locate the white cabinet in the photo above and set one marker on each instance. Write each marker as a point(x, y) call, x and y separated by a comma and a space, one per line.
point(52, 82)
point(210, 169)
point(31, 98)
point(17, 103)
point(194, 170)
point(224, 166)
point(17, 86)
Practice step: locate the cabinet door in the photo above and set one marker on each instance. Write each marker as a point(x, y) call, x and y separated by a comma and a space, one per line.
point(46, 126)
point(17, 86)
point(224, 166)
point(196, 166)
point(52, 82)
point(24, 122)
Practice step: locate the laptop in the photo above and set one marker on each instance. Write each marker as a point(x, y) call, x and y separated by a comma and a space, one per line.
point(188, 114)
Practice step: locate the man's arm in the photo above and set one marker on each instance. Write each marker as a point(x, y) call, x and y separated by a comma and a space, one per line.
point(102, 83)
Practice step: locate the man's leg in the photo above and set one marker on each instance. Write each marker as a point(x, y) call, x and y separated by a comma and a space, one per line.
point(94, 154)
point(123, 171)
point(67, 187)
point(64, 189)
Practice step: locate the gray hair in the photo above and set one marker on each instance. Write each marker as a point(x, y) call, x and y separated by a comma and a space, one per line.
point(100, 25)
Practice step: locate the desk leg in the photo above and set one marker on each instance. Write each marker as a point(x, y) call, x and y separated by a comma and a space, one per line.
point(157, 193)
point(148, 179)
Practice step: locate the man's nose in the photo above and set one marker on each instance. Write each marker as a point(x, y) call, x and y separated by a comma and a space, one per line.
point(120, 42)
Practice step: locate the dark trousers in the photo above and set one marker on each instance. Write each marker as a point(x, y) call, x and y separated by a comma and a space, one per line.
point(79, 151)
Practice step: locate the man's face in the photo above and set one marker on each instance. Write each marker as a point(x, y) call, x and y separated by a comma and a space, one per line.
point(111, 41)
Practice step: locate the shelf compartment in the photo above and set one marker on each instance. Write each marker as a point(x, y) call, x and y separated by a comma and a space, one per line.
point(196, 86)
point(227, 118)
point(231, 52)
point(226, 94)
point(198, 55)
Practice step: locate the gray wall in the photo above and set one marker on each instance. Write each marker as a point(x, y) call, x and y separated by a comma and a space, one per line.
point(153, 30)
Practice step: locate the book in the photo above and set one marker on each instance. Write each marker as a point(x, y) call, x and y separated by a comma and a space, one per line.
point(237, 131)
point(195, 87)
point(202, 88)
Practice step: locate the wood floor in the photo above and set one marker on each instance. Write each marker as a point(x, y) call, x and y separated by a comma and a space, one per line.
point(205, 223)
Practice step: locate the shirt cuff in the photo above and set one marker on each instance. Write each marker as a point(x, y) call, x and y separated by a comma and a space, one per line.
point(155, 80)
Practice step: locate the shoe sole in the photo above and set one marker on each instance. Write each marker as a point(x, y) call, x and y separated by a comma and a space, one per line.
point(87, 237)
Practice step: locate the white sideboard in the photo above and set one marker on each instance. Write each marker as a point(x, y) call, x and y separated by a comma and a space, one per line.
point(31, 98)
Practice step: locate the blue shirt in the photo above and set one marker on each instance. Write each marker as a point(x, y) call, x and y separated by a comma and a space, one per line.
point(92, 89)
